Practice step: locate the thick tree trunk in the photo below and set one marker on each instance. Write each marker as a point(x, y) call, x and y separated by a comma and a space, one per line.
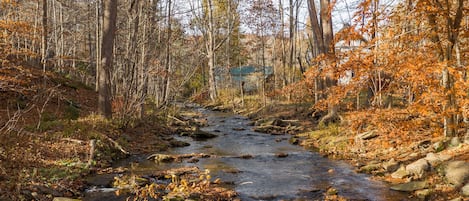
point(109, 29)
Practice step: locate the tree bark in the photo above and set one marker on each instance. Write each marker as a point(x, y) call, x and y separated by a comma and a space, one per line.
point(44, 35)
point(109, 29)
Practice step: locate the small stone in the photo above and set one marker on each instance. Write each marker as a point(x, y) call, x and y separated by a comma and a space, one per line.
point(454, 142)
point(439, 146)
point(436, 159)
point(331, 191)
point(369, 168)
point(409, 187)
point(282, 155)
point(330, 171)
point(424, 144)
point(367, 135)
point(424, 193)
point(391, 166)
point(465, 190)
point(400, 173)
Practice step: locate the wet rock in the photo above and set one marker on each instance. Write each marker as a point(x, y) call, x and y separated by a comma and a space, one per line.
point(465, 190)
point(239, 129)
point(439, 146)
point(410, 186)
point(457, 172)
point(391, 165)
point(177, 143)
point(400, 173)
point(367, 135)
point(423, 194)
point(64, 199)
point(200, 135)
point(418, 168)
point(282, 155)
point(246, 156)
point(193, 160)
point(162, 158)
point(294, 140)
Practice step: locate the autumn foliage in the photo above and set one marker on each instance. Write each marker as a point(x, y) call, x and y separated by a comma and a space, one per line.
point(399, 64)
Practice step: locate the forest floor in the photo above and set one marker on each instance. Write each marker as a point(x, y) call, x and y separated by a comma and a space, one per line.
point(405, 152)
point(48, 126)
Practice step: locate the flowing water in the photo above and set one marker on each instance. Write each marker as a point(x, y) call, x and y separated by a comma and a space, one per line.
point(302, 175)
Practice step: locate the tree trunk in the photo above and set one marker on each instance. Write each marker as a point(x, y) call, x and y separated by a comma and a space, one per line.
point(211, 53)
point(109, 29)
point(44, 35)
point(168, 56)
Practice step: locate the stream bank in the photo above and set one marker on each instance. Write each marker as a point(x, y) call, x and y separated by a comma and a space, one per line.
point(427, 167)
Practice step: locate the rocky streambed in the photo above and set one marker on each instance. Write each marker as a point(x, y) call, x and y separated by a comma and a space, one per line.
point(253, 165)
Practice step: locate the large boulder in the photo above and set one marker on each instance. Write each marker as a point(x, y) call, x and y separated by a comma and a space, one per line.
point(456, 172)
point(418, 168)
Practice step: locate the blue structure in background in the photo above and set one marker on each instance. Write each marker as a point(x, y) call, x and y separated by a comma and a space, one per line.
point(245, 73)
point(241, 73)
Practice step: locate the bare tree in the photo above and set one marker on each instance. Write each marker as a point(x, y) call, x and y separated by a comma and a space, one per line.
point(109, 29)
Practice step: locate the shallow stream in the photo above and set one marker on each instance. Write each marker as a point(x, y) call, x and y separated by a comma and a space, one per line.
point(301, 175)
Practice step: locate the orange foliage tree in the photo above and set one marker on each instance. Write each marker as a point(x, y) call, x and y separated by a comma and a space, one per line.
point(412, 59)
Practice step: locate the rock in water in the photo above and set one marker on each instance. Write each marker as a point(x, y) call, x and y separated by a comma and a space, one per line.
point(457, 172)
point(162, 158)
point(200, 135)
point(418, 168)
point(409, 187)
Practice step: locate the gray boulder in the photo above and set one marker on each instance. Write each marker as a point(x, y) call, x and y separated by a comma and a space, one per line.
point(418, 168)
point(456, 172)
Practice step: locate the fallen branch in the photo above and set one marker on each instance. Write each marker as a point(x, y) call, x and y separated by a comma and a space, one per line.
point(178, 120)
point(116, 145)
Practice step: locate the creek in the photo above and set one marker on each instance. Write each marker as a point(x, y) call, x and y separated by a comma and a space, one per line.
point(277, 169)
